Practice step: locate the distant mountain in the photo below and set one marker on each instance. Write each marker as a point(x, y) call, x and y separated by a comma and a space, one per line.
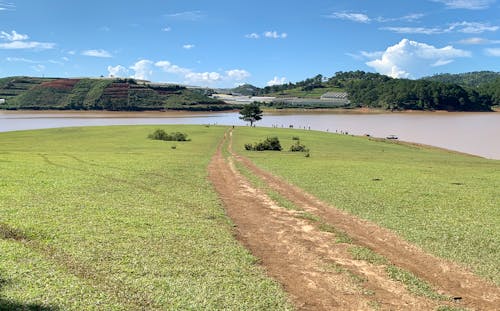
point(103, 94)
point(246, 90)
point(469, 79)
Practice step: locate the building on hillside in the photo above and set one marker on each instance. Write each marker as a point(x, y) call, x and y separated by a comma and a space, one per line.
point(2, 101)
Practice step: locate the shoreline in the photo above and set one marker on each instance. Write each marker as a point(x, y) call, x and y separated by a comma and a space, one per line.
point(264, 109)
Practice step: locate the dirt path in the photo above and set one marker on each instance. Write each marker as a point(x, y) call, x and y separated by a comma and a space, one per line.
point(320, 273)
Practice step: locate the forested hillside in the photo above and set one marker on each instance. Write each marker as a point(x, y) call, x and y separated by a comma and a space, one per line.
point(469, 79)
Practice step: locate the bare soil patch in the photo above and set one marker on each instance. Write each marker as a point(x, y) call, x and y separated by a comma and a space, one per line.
point(320, 273)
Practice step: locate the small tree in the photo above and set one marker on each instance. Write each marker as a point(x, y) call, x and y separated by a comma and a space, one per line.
point(251, 113)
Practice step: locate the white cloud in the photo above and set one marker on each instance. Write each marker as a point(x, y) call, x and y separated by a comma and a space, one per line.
point(186, 16)
point(97, 53)
point(277, 81)
point(13, 36)
point(492, 52)
point(252, 35)
point(18, 45)
point(202, 78)
point(188, 46)
point(466, 4)
point(64, 58)
point(355, 17)
point(17, 41)
point(117, 71)
point(142, 69)
point(275, 35)
point(237, 74)
point(167, 29)
point(409, 59)
point(171, 68)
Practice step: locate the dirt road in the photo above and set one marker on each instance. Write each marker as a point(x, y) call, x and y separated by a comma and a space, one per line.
point(318, 271)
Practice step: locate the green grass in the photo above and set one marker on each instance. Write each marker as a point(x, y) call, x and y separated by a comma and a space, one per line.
point(104, 218)
point(414, 284)
point(366, 254)
point(445, 202)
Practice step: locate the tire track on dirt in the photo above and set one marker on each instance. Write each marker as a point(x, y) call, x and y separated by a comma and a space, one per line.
point(300, 256)
point(448, 277)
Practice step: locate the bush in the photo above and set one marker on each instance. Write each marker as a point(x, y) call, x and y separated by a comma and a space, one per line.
point(298, 147)
point(271, 143)
point(160, 134)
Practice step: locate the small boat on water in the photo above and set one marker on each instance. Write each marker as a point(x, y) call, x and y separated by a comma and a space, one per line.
point(392, 137)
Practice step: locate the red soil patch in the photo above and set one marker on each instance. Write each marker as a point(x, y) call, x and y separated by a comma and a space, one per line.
point(316, 271)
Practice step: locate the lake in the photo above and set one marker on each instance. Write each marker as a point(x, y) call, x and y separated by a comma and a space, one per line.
point(475, 133)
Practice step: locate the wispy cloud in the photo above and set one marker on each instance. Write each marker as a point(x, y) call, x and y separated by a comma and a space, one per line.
point(166, 29)
point(461, 27)
point(406, 18)
point(20, 45)
point(355, 17)
point(415, 30)
point(466, 4)
point(186, 15)
point(410, 59)
point(472, 27)
point(363, 18)
point(492, 52)
point(21, 60)
point(38, 68)
point(7, 6)
point(477, 41)
point(97, 53)
point(188, 46)
point(31, 61)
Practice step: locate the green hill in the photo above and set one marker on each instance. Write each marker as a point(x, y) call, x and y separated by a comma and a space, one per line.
point(102, 94)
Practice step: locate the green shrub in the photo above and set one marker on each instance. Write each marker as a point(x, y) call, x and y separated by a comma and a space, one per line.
point(270, 143)
point(298, 147)
point(160, 134)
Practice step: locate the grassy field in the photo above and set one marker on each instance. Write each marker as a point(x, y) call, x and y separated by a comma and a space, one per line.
point(445, 202)
point(105, 219)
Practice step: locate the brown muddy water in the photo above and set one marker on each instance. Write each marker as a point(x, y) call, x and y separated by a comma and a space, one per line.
point(474, 133)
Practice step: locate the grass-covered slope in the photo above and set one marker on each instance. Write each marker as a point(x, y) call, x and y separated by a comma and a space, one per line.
point(102, 94)
point(104, 218)
point(445, 202)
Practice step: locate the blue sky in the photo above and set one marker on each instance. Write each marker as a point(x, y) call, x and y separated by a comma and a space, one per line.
point(226, 43)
